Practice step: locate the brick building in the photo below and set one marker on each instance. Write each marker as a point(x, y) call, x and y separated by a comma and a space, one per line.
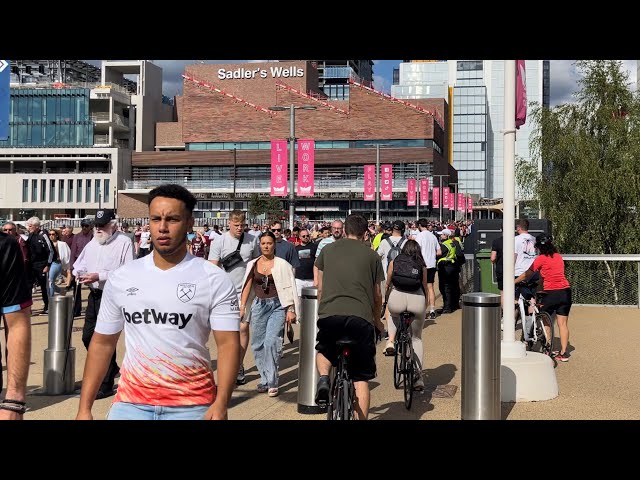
point(220, 144)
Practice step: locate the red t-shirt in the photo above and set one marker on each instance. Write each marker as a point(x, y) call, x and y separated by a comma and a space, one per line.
point(552, 271)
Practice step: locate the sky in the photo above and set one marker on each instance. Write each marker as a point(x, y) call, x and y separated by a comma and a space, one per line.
point(563, 76)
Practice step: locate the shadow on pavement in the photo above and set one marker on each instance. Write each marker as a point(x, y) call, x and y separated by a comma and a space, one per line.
point(36, 400)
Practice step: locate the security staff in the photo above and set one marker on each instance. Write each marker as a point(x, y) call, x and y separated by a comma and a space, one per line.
point(108, 250)
point(448, 272)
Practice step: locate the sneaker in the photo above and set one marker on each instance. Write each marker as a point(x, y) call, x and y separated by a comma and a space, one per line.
point(240, 379)
point(446, 310)
point(273, 392)
point(432, 315)
point(322, 392)
point(262, 388)
point(418, 383)
point(561, 357)
point(44, 312)
point(389, 348)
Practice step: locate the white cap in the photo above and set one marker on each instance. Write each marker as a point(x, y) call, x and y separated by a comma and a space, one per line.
point(445, 231)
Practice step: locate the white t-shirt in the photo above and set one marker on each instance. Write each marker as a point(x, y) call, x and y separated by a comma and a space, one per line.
point(525, 251)
point(145, 240)
point(385, 248)
point(228, 244)
point(167, 316)
point(428, 246)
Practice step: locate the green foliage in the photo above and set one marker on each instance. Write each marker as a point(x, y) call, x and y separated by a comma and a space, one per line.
point(270, 206)
point(589, 184)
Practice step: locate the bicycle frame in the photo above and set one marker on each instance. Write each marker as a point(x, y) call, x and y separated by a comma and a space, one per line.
point(526, 318)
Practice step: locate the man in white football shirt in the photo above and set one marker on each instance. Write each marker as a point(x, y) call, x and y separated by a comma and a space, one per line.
point(167, 303)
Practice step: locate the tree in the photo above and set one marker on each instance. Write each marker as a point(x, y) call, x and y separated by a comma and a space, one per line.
point(271, 207)
point(589, 176)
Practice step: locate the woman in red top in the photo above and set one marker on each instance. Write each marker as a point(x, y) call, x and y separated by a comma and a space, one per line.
point(558, 291)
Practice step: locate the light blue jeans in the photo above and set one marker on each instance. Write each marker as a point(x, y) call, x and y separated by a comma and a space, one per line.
point(54, 271)
point(137, 411)
point(267, 332)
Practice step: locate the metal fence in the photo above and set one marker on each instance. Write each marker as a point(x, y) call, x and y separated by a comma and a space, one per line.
point(602, 280)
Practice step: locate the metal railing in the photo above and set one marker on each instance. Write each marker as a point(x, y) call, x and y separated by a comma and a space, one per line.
point(597, 280)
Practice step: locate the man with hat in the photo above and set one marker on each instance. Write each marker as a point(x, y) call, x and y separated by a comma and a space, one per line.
point(78, 243)
point(108, 250)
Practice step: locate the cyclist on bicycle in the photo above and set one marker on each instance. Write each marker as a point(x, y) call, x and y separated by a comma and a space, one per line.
point(406, 287)
point(556, 286)
point(350, 300)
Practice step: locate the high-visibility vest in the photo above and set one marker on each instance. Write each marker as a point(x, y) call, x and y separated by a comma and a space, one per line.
point(451, 254)
point(376, 240)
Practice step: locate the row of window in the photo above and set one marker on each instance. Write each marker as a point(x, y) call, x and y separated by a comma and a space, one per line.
point(318, 144)
point(53, 190)
point(49, 135)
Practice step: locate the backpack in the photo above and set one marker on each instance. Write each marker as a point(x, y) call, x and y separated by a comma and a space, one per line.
point(395, 250)
point(407, 273)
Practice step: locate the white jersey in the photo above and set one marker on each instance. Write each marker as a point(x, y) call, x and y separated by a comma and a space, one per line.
point(167, 316)
point(525, 251)
point(428, 246)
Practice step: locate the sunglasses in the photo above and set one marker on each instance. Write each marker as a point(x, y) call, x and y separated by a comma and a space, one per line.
point(265, 284)
point(304, 236)
point(276, 229)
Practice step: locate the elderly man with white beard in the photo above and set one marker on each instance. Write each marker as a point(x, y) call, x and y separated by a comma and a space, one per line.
point(107, 251)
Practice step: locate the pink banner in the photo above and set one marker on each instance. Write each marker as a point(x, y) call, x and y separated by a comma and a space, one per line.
point(369, 183)
point(306, 156)
point(436, 197)
point(470, 204)
point(424, 192)
point(411, 192)
point(461, 202)
point(521, 94)
point(445, 197)
point(386, 184)
point(279, 168)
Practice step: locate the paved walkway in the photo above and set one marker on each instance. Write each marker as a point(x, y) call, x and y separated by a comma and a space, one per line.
point(597, 382)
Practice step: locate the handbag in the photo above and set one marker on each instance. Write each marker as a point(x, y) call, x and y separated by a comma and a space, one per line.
point(234, 258)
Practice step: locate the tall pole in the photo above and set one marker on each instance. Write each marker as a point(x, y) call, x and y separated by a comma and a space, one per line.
point(233, 207)
point(440, 199)
point(292, 148)
point(508, 223)
point(417, 191)
point(378, 183)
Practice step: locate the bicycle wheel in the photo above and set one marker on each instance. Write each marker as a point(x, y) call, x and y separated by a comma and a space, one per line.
point(347, 401)
point(408, 372)
point(333, 407)
point(398, 363)
point(543, 325)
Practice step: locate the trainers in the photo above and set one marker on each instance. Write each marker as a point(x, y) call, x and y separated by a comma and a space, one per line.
point(262, 388)
point(418, 383)
point(273, 392)
point(240, 379)
point(322, 392)
point(446, 310)
point(561, 357)
point(389, 348)
point(432, 315)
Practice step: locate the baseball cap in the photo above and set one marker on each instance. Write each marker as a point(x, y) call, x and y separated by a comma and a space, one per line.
point(104, 216)
point(445, 231)
point(398, 225)
point(86, 222)
point(386, 226)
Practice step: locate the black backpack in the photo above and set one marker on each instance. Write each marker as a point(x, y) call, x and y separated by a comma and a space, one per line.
point(407, 273)
point(395, 250)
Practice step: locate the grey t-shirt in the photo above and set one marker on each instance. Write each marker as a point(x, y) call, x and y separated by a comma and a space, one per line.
point(226, 244)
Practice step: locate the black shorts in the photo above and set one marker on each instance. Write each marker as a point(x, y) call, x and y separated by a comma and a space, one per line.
point(557, 301)
point(499, 278)
point(431, 274)
point(362, 359)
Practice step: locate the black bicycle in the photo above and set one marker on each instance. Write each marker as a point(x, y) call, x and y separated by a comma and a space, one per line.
point(343, 393)
point(403, 361)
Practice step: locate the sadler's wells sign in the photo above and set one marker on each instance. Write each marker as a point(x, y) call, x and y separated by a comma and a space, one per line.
point(276, 72)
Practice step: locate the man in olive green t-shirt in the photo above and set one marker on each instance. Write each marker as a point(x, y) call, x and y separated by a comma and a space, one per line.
point(349, 276)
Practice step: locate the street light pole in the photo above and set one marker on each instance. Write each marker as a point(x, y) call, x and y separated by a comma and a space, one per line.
point(292, 151)
point(234, 179)
point(440, 194)
point(377, 183)
point(417, 191)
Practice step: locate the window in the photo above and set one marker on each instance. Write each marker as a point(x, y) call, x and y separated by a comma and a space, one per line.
point(61, 191)
point(70, 191)
point(106, 191)
point(52, 190)
point(79, 192)
point(87, 191)
point(34, 190)
point(97, 192)
point(43, 190)
point(25, 190)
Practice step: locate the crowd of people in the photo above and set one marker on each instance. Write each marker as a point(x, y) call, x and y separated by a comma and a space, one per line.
point(244, 284)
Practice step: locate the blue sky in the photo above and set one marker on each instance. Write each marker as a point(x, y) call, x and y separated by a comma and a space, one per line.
point(563, 76)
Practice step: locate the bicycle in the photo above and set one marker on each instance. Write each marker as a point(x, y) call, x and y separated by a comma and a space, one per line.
point(343, 393)
point(403, 360)
point(537, 328)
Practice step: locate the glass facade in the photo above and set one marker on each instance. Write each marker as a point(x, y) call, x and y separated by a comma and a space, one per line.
point(49, 117)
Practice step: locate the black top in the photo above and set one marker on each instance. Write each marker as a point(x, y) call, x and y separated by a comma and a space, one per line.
point(14, 289)
point(307, 256)
point(497, 247)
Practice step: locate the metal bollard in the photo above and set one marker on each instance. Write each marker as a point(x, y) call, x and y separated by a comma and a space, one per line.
point(59, 380)
point(480, 356)
point(307, 371)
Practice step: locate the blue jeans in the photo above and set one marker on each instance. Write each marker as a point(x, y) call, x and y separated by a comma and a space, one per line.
point(54, 271)
point(267, 332)
point(137, 411)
